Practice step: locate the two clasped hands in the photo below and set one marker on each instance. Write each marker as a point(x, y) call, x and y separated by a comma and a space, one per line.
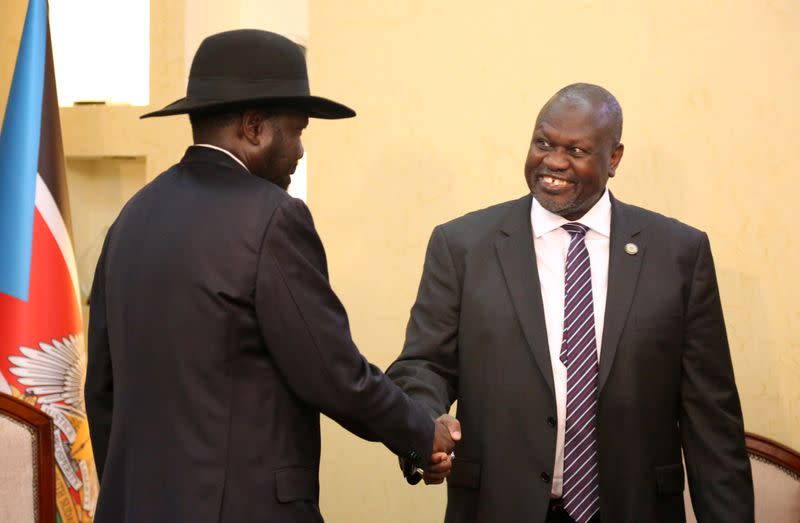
point(447, 433)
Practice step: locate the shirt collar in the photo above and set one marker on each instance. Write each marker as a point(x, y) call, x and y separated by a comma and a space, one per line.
point(224, 151)
point(598, 218)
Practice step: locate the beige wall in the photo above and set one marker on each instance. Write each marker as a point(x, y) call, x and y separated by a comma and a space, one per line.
point(446, 94)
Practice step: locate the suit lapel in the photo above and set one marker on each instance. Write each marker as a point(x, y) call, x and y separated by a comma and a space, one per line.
point(623, 274)
point(515, 251)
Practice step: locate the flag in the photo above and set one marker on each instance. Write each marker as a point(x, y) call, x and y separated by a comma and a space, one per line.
point(42, 351)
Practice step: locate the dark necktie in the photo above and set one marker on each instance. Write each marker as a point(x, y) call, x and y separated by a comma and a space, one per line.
point(579, 355)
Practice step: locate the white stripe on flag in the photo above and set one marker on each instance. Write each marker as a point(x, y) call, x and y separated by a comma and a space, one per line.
point(55, 222)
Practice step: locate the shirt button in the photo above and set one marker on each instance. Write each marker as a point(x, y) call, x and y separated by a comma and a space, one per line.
point(551, 421)
point(545, 477)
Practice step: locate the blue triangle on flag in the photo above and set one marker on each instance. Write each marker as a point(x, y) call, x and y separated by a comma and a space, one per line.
point(19, 154)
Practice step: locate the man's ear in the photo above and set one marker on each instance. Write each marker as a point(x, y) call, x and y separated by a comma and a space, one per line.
point(256, 128)
point(613, 162)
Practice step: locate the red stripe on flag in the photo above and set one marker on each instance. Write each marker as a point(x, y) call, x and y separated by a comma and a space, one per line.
point(51, 310)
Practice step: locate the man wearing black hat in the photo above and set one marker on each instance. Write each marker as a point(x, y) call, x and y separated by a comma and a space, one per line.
point(215, 339)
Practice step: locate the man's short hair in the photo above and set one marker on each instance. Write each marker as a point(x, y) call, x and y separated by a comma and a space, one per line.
point(594, 94)
point(211, 122)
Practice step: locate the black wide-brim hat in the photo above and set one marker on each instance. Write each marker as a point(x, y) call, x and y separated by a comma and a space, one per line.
point(251, 66)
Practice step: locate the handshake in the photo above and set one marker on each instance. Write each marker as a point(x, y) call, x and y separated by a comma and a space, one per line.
point(447, 431)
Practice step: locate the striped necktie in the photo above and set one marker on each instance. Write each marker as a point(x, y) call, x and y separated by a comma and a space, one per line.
point(579, 355)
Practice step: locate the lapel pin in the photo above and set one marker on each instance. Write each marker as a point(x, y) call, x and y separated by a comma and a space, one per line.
point(631, 248)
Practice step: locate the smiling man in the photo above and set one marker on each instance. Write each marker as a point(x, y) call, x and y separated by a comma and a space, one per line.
point(584, 341)
point(575, 150)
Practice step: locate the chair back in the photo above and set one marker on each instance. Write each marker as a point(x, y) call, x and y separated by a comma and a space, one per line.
point(27, 465)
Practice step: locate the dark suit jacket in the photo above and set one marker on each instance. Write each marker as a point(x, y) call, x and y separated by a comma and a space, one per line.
point(477, 335)
point(215, 340)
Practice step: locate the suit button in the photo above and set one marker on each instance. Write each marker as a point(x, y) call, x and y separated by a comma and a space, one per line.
point(545, 477)
point(551, 421)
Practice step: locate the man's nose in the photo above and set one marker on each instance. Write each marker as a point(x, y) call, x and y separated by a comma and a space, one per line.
point(300, 150)
point(556, 160)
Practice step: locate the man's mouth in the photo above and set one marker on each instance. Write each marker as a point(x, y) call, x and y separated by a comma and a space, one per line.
point(554, 183)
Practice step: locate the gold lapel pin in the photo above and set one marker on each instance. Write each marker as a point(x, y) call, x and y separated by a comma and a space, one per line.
point(631, 248)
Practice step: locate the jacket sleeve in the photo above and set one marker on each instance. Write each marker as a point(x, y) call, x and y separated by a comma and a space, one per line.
point(306, 331)
point(711, 423)
point(427, 368)
point(99, 387)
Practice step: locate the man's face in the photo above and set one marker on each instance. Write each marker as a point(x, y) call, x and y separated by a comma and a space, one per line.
point(277, 159)
point(573, 153)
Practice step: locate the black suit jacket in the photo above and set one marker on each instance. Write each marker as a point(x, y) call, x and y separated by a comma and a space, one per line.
point(215, 340)
point(477, 335)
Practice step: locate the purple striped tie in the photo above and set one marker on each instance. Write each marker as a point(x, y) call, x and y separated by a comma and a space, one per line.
point(579, 355)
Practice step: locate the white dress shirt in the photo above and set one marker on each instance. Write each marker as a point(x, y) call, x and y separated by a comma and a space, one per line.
point(224, 151)
point(551, 243)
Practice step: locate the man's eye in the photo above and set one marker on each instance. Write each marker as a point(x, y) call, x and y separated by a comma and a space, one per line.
point(543, 144)
point(577, 151)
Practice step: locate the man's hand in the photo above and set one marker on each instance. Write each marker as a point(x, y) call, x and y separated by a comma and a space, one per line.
point(448, 432)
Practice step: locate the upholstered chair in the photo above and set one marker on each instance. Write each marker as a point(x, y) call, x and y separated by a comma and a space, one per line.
point(27, 473)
